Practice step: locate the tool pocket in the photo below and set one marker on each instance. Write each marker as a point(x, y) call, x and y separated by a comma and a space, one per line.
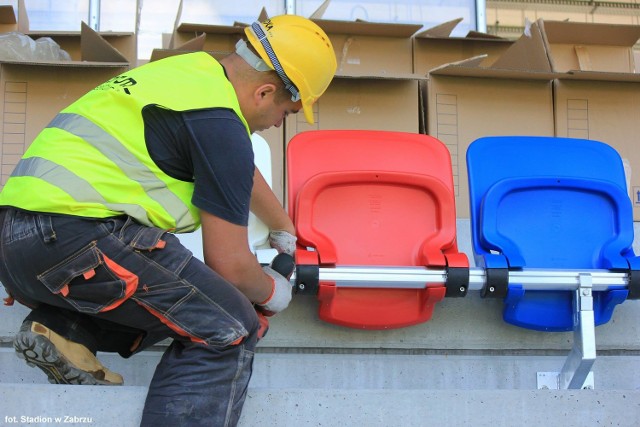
point(90, 281)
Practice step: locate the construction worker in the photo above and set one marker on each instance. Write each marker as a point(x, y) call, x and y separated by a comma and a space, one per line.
point(88, 214)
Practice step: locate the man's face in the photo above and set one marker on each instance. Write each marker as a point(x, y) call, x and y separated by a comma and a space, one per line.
point(272, 112)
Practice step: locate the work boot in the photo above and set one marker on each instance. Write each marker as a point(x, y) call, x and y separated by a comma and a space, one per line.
point(64, 361)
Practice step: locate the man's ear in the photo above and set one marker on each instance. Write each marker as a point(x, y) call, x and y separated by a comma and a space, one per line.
point(265, 90)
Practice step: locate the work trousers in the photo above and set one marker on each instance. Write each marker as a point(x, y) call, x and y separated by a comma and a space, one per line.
point(118, 277)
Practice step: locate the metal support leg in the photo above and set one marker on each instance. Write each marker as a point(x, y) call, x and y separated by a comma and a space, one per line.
point(576, 372)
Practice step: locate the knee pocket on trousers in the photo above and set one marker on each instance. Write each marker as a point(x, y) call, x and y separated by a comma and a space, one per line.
point(190, 314)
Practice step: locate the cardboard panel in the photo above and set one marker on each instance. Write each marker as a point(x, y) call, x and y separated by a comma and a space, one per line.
point(368, 48)
point(363, 103)
point(275, 138)
point(88, 45)
point(222, 38)
point(435, 47)
point(8, 21)
point(568, 57)
point(573, 46)
point(606, 111)
point(461, 109)
point(430, 53)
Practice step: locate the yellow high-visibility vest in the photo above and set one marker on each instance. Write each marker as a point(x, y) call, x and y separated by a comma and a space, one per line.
point(92, 159)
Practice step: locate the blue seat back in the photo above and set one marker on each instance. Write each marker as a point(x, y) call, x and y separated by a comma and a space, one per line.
point(555, 203)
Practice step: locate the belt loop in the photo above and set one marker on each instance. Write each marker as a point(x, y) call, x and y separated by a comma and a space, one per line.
point(45, 222)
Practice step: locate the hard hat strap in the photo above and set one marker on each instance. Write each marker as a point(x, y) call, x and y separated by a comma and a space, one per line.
point(257, 29)
point(250, 58)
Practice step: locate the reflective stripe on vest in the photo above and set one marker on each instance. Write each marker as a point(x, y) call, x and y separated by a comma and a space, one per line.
point(113, 149)
point(72, 184)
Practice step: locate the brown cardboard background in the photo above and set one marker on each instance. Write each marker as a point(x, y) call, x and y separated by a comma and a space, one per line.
point(217, 37)
point(606, 111)
point(569, 57)
point(435, 47)
point(461, 109)
point(430, 53)
point(562, 47)
point(123, 43)
point(275, 138)
point(363, 103)
point(589, 46)
point(368, 48)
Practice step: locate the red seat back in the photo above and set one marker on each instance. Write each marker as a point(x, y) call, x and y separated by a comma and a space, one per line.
point(373, 198)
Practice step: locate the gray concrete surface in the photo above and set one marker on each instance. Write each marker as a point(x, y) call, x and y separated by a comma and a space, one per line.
point(365, 370)
point(121, 406)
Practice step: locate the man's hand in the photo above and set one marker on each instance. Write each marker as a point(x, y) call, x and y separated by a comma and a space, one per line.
point(281, 293)
point(263, 324)
point(283, 241)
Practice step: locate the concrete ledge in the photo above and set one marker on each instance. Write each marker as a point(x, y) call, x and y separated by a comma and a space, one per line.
point(469, 323)
point(354, 371)
point(48, 405)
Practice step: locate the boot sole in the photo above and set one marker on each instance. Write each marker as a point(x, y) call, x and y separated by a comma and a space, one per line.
point(39, 352)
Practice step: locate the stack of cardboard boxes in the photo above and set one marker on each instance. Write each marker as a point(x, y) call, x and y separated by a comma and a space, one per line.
point(32, 92)
point(565, 79)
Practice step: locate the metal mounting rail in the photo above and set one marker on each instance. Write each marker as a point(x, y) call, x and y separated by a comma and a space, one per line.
point(422, 277)
point(576, 372)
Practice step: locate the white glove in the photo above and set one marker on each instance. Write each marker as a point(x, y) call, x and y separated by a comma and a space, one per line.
point(281, 293)
point(283, 241)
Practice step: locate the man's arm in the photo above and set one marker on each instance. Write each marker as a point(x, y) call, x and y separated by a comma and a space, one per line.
point(227, 252)
point(266, 206)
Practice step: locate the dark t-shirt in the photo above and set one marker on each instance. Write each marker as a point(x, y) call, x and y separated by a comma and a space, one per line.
point(210, 148)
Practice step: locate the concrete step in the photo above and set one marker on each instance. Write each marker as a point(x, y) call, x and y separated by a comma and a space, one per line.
point(97, 406)
point(363, 369)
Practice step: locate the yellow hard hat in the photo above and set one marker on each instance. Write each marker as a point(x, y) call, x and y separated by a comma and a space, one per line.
point(300, 52)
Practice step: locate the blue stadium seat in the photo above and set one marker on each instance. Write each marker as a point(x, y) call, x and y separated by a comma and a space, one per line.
point(552, 203)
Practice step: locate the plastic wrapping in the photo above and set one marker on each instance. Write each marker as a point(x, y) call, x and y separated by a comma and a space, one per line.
point(16, 46)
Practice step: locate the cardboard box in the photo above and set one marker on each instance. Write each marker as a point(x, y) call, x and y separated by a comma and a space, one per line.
point(597, 85)
point(194, 45)
point(365, 48)
point(604, 107)
point(9, 21)
point(435, 47)
point(371, 48)
point(123, 43)
point(33, 92)
point(573, 46)
point(216, 38)
point(364, 102)
point(466, 102)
